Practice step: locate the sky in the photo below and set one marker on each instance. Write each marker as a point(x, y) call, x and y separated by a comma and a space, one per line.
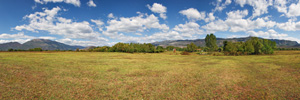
point(106, 22)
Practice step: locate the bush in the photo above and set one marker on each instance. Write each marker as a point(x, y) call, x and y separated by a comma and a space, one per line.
point(217, 54)
point(185, 53)
point(36, 49)
point(10, 50)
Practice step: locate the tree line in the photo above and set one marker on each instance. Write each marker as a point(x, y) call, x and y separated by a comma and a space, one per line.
point(250, 47)
point(130, 48)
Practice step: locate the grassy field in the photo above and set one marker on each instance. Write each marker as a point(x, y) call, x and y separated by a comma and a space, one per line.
point(96, 75)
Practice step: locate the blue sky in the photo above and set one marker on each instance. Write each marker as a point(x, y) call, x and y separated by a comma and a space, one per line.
point(106, 22)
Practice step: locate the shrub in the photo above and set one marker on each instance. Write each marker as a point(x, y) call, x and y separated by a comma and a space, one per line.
point(10, 50)
point(185, 53)
point(217, 54)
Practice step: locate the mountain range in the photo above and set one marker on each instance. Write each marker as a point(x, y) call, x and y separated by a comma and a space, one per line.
point(53, 45)
point(45, 44)
point(201, 42)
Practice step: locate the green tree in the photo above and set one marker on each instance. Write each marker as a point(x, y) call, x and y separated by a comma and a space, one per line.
point(170, 48)
point(159, 49)
point(230, 48)
point(191, 47)
point(10, 49)
point(211, 42)
point(249, 48)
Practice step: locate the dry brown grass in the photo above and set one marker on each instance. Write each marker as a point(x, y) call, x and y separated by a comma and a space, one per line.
point(93, 75)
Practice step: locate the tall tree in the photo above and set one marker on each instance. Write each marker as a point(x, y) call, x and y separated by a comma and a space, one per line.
point(211, 42)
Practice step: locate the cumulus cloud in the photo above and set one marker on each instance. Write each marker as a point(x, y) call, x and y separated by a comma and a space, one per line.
point(134, 24)
point(268, 34)
point(237, 14)
point(99, 23)
point(293, 10)
point(289, 26)
point(188, 29)
point(19, 35)
point(83, 42)
point(210, 17)
point(91, 3)
point(170, 35)
point(215, 26)
point(235, 22)
point(158, 8)
point(159, 36)
point(280, 5)
point(220, 6)
point(111, 15)
point(259, 6)
point(74, 2)
point(49, 22)
point(193, 14)
point(237, 25)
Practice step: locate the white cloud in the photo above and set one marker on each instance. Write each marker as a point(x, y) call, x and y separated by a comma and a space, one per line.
point(220, 7)
point(237, 25)
point(280, 5)
point(159, 36)
point(289, 26)
point(91, 3)
point(20, 35)
point(193, 14)
point(159, 8)
point(134, 24)
point(49, 22)
point(83, 42)
point(74, 2)
point(258, 34)
point(46, 37)
point(215, 26)
point(259, 6)
point(235, 22)
point(271, 34)
point(171, 35)
point(138, 34)
point(187, 30)
point(111, 15)
point(99, 23)
point(211, 17)
point(293, 10)
point(237, 14)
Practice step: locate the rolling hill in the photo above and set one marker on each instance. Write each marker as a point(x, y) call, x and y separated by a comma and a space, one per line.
point(201, 42)
point(38, 43)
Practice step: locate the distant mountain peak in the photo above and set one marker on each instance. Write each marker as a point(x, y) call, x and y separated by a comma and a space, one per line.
point(45, 44)
point(40, 40)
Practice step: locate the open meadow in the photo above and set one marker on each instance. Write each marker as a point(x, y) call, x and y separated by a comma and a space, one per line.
point(105, 75)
